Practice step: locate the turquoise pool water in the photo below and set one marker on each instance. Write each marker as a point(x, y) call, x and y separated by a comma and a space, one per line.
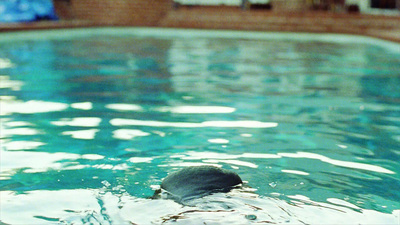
point(92, 120)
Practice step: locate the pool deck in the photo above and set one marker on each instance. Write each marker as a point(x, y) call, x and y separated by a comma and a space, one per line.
point(232, 18)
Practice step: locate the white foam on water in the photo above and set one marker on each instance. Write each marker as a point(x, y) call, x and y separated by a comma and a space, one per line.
point(96, 207)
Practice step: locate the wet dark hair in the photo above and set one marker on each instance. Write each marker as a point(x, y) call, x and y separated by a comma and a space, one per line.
point(198, 181)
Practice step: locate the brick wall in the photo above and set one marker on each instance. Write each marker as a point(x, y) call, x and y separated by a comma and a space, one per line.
point(137, 12)
point(286, 15)
point(289, 5)
point(63, 9)
point(116, 12)
point(387, 27)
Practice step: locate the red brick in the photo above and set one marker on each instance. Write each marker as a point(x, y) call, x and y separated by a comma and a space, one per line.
point(139, 12)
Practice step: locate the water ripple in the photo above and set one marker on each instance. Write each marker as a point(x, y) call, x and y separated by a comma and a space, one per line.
point(231, 159)
point(232, 124)
point(353, 165)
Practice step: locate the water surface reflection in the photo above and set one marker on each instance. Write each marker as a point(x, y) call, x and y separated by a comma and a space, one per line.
point(96, 122)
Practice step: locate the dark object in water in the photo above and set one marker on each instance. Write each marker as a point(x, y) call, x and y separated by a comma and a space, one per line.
point(198, 181)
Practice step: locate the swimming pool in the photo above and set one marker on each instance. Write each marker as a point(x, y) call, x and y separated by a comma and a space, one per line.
point(93, 119)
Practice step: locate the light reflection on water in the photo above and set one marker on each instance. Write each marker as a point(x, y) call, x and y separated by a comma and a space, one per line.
point(219, 124)
point(86, 132)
